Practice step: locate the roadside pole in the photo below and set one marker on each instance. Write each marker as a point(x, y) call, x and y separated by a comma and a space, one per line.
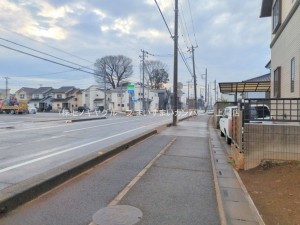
point(175, 79)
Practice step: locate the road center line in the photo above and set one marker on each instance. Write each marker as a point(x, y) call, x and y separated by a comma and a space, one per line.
point(102, 125)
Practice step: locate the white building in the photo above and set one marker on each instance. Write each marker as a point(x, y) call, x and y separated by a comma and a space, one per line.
point(122, 100)
point(94, 96)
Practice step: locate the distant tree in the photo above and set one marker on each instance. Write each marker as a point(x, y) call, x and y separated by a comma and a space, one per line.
point(113, 69)
point(157, 74)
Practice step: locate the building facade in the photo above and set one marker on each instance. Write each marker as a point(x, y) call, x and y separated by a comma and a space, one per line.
point(285, 46)
point(68, 98)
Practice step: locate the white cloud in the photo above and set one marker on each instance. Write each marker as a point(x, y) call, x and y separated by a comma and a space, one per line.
point(222, 19)
point(123, 25)
point(101, 14)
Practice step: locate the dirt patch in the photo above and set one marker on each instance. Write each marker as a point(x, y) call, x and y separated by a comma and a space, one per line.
point(275, 190)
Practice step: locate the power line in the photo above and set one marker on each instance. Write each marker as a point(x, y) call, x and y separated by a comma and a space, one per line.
point(192, 22)
point(44, 53)
point(163, 18)
point(188, 34)
point(49, 46)
point(48, 60)
point(180, 52)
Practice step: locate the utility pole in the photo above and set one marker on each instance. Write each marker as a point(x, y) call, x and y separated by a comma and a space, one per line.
point(206, 93)
point(6, 86)
point(188, 95)
point(143, 82)
point(175, 79)
point(215, 91)
point(195, 81)
point(143, 59)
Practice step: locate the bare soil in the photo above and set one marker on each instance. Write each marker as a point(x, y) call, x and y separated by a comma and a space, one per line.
point(275, 190)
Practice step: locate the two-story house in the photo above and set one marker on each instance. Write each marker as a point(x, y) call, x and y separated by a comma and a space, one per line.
point(285, 46)
point(66, 98)
point(41, 99)
point(119, 100)
point(93, 97)
point(25, 93)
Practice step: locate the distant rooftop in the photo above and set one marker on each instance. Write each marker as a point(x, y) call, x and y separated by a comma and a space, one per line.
point(266, 77)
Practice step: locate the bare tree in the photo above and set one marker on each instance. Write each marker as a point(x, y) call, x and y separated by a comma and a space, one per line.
point(157, 73)
point(113, 69)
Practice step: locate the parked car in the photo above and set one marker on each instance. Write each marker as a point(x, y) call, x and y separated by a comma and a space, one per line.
point(32, 110)
point(99, 108)
point(83, 109)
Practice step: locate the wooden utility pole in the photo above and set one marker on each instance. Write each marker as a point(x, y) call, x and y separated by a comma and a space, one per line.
point(175, 79)
point(195, 80)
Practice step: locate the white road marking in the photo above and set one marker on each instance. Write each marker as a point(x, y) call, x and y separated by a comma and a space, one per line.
point(11, 122)
point(66, 150)
point(102, 125)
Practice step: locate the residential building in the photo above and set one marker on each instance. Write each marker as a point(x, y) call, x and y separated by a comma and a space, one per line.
point(119, 100)
point(66, 98)
point(122, 100)
point(94, 96)
point(41, 99)
point(285, 46)
point(25, 93)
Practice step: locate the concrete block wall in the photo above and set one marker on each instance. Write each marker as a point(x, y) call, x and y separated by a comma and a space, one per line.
point(270, 142)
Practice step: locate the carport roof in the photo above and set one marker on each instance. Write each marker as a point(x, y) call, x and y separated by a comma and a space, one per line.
point(232, 87)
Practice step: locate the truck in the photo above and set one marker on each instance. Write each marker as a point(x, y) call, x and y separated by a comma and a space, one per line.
point(252, 114)
point(13, 107)
point(226, 123)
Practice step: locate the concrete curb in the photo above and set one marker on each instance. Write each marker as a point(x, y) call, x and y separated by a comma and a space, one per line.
point(87, 119)
point(248, 197)
point(221, 210)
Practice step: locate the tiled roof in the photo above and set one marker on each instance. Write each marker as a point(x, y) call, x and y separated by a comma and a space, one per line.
point(62, 99)
point(42, 90)
point(64, 89)
point(27, 90)
point(266, 77)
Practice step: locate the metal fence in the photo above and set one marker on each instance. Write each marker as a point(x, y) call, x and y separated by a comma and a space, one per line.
point(275, 110)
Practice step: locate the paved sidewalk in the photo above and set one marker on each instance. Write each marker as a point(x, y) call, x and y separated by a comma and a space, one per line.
point(190, 183)
point(179, 186)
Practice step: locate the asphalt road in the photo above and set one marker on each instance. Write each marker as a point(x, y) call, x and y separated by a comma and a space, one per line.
point(30, 146)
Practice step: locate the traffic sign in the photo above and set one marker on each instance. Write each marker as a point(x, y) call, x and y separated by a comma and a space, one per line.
point(130, 87)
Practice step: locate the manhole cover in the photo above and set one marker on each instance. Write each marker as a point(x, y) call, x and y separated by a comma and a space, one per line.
point(118, 215)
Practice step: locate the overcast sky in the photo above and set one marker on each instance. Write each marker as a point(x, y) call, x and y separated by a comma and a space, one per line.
point(232, 41)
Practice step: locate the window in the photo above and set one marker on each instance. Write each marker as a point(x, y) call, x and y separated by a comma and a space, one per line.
point(277, 74)
point(22, 96)
point(36, 96)
point(276, 15)
point(293, 74)
point(59, 95)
